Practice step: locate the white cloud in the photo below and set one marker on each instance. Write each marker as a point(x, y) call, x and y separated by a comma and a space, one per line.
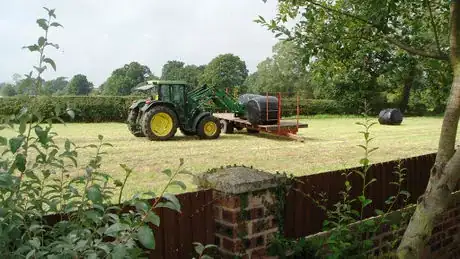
point(99, 36)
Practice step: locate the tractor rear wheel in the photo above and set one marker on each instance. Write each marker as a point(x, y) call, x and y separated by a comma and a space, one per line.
point(187, 132)
point(209, 128)
point(159, 123)
point(133, 127)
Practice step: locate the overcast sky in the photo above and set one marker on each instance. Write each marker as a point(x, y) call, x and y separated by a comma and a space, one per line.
point(101, 35)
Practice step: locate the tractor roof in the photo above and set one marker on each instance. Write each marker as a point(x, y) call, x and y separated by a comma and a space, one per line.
point(166, 82)
point(147, 85)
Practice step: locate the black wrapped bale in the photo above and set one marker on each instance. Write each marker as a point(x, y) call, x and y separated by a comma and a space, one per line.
point(244, 98)
point(256, 109)
point(390, 117)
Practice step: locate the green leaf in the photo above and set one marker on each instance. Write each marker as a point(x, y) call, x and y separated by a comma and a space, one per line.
point(172, 198)
point(71, 113)
point(56, 24)
point(67, 145)
point(364, 161)
point(41, 41)
point(199, 248)
point(168, 205)
point(15, 143)
point(118, 183)
point(115, 228)
point(35, 243)
point(180, 184)
point(379, 212)
point(141, 206)
point(3, 141)
point(41, 134)
point(51, 62)
point(364, 201)
point(153, 218)
point(22, 126)
point(32, 48)
point(20, 162)
point(119, 252)
point(167, 172)
point(43, 23)
point(405, 193)
point(145, 237)
point(94, 194)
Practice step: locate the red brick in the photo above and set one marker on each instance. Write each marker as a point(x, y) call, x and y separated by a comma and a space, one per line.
point(231, 202)
point(230, 216)
point(259, 253)
point(256, 213)
point(233, 245)
point(243, 228)
point(217, 212)
point(225, 230)
point(447, 241)
point(260, 226)
point(437, 229)
point(452, 231)
point(448, 224)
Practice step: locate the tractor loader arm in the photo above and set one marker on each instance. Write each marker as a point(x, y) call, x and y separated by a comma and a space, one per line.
point(203, 95)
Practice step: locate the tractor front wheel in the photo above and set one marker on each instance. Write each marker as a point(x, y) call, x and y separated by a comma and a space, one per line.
point(209, 128)
point(133, 127)
point(159, 123)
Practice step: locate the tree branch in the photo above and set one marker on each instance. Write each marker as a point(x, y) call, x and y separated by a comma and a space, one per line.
point(440, 56)
point(410, 49)
point(435, 31)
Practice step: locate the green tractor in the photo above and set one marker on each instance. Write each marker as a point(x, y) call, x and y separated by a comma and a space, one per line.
point(173, 105)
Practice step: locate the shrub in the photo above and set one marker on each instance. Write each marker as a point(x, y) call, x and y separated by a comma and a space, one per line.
point(310, 107)
point(87, 108)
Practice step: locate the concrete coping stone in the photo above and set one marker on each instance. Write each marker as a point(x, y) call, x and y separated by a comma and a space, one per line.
point(237, 180)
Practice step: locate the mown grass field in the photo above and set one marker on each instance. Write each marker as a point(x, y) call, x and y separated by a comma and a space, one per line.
point(330, 144)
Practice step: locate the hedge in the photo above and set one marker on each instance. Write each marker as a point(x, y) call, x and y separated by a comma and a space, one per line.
point(310, 107)
point(114, 108)
point(87, 108)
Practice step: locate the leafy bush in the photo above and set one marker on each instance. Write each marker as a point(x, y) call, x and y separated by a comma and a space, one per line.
point(310, 107)
point(87, 108)
point(48, 211)
point(348, 234)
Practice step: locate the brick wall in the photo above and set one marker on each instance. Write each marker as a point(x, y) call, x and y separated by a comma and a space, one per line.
point(444, 241)
point(244, 223)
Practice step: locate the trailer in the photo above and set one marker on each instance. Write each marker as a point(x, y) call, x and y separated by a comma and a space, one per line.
point(285, 128)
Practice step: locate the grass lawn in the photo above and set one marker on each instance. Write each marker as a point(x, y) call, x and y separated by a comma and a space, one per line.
point(330, 144)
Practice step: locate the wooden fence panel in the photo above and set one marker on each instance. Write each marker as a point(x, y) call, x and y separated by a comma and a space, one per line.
point(303, 217)
point(178, 231)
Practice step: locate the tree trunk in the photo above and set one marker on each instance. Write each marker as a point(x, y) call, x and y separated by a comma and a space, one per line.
point(444, 174)
point(408, 82)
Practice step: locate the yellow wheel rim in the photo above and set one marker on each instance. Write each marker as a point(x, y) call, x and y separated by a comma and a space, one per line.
point(161, 124)
point(210, 128)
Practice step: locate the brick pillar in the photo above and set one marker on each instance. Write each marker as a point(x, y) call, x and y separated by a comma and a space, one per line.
point(242, 211)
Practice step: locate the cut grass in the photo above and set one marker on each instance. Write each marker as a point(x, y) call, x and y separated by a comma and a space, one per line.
point(330, 144)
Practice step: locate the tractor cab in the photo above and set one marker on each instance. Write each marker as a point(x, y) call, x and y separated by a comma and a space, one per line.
point(165, 91)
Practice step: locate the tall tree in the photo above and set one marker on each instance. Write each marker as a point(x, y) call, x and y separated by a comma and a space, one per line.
point(177, 70)
point(421, 28)
point(283, 72)
point(124, 79)
point(172, 70)
point(226, 70)
point(79, 85)
point(56, 86)
point(7, 89)
point(349, 40)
